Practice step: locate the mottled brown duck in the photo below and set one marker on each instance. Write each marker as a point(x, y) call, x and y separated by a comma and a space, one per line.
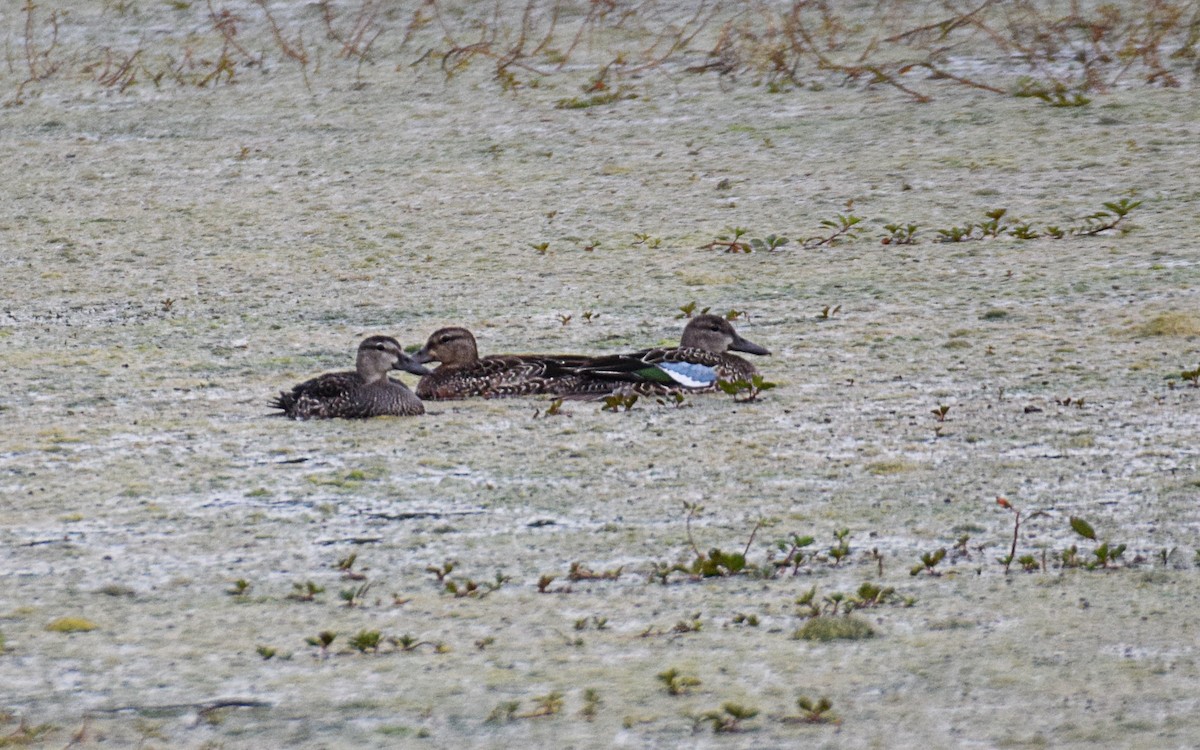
point(701, 360)
point(463, 373)
point(365, 392)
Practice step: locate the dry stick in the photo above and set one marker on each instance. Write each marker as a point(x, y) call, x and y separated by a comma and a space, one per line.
point(687, 524)
point(517, 50)
point(682, 38)
point(226, 23)
point(1035, 58)
point(593, 12)
point(754, 531)
point(851, 70)
point(200, 708)
point(1187, 49)
point(296, 52)
point(1147, 48)
point(945, 27)
point(33, 55)
point(109, 76)
point(939, 73)
point(353, 44)
point(549, 35)
point(417, 23)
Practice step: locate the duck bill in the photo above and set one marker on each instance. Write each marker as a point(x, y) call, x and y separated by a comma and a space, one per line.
point(422, 356)
point(743, 345)
point(411, 364)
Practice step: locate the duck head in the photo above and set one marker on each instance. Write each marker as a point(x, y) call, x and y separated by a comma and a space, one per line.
point(715, 334)
point(450, 346)
point(378, 354)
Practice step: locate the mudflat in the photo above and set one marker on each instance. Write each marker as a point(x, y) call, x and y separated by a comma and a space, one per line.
point(174, 255)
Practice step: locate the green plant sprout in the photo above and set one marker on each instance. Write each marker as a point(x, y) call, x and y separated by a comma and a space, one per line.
point(678, 683)
point(504, 712)
point(441, 572)
point(1102, 221)
point(305, 592)
point(241, 587)
point(729, 718)
point(844, 227)
point(1025, 231)
point(597, 622)
point(578, 572)
point(929, 562)
point(553, 410)
point(992, 227)
point(647, 240)
point(841, 547)
point(730, 240)
point(686, 311)
point(1106, 554)
point(408, 643)
point(956, 234)
point(619, 402)
point(769, 244)
point(1056, 95)
point(354, 597)
point(793, 549)
point(745, 391)
point(813, 712)
point(591, 704)
point(691, 625)
point(467, 587)
point(900, 234)
point(346, 566)
point(322, 641)
point(366, 640)
point(871, 595)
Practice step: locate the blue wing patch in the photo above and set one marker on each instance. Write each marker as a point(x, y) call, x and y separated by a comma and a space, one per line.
point(689, 374)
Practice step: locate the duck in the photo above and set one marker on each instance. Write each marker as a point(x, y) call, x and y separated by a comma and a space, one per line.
point(365, 392)
point(697, 365)
point(462, 373)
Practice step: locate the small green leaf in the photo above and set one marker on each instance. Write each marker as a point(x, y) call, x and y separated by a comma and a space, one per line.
point(1083, 528)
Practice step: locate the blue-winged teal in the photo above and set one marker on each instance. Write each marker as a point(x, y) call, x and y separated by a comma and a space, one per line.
point(463, 373)
point(367, 392)
point(695, 366)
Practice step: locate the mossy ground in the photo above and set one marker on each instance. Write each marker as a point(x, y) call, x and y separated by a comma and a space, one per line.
point(173, 257)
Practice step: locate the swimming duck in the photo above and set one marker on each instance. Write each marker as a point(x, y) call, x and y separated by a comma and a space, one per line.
point(695, 366)
point(463, 373)
point(366, 392)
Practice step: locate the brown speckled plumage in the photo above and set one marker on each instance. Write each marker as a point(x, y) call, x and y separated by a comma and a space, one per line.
point(366, 392)
point(705, 343)
point(463, 373)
